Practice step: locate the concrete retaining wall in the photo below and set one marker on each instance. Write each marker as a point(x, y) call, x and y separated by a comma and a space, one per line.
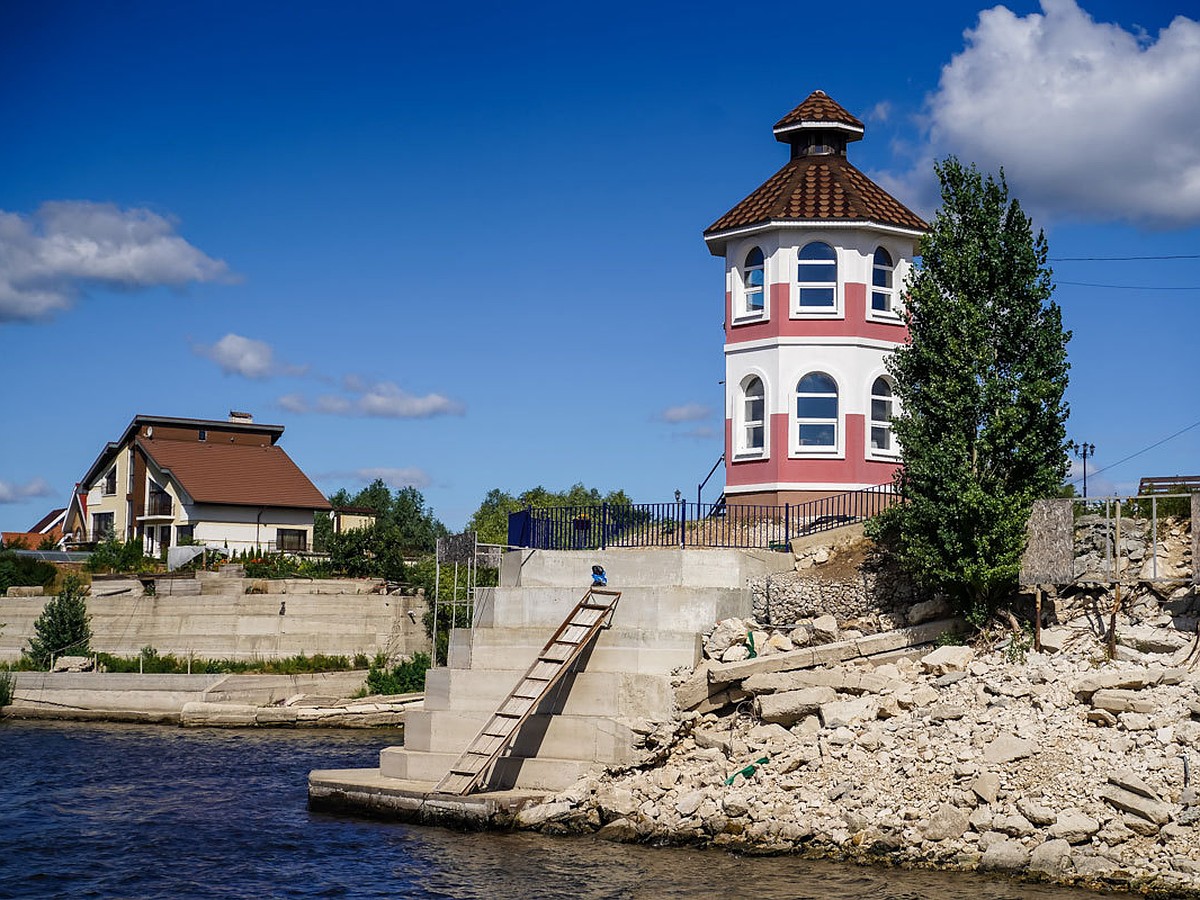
point(234, 625)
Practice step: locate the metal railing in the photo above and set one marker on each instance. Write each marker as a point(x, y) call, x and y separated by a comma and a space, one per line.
point(684, 524)
point(159, 505)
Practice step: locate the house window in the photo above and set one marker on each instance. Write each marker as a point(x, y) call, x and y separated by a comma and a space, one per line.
point(110, 481)
point(185, 534)
point(158, 501)
point(752, 283)
point(881, 417)
point(293, 539)
point(816, 412)
point(752, 428)
point(203, 434)
point(817, 275)
point(881, 281)
point(102, 525)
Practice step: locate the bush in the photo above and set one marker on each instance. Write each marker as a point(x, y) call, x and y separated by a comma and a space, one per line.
point(406, 678)
point(114, 555)
point(272, 565)
point(64, 625)
point(24, 571)
point(6, 688)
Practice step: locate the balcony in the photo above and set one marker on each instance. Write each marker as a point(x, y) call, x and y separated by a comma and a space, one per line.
point(159, 506)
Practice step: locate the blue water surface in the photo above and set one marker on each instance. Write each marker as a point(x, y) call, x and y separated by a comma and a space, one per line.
point(91, 810)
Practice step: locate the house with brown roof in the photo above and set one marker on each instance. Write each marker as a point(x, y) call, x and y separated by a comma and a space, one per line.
point(47, 530)
point(816, 259)
point(218, 482)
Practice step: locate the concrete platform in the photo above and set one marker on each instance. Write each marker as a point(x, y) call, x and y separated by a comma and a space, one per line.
point(589, 694)
point(588, 738)
point(541, 773)
point(367, 792)
point(618, 649)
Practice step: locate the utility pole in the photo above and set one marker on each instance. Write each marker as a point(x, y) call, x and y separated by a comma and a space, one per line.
point(1082, 451)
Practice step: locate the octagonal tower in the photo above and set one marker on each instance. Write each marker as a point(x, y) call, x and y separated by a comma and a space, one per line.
point(814, 262)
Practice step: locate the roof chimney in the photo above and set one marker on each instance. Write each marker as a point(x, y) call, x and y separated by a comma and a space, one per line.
point(241, 418)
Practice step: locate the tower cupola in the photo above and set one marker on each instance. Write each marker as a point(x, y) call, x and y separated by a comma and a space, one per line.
point(820, 126)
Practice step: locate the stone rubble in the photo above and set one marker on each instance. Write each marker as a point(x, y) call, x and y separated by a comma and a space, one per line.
point(1058, 765)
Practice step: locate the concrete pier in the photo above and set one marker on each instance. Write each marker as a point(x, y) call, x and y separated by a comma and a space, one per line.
point(592, 719)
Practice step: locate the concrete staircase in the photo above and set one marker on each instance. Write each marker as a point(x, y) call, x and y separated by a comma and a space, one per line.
point(668, 598)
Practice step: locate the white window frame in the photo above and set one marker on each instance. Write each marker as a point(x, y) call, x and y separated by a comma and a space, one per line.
point(893, 314)
point(742, 423)
point(829, 451)
point(873, 452)
point(800, 311)
point(742, 311)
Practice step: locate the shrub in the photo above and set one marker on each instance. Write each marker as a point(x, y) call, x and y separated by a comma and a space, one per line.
point(405, 678)
point(24, 571)
point(6, 688)
point(272, 565)
point(114, 555)
point(64, 625)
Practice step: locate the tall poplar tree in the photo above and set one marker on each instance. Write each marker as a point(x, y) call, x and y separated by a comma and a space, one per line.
point(981, 416)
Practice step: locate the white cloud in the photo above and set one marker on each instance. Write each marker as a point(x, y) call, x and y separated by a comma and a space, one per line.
point(237, 355)
point(396, 477)
point(1089, 120)
point(383, 399)
point(293, 403)
point(18, 493)
point(48, 257)
point(688, 412)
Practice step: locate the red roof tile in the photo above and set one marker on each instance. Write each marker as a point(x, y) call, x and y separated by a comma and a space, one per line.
point(817, 188)
point(236, 474)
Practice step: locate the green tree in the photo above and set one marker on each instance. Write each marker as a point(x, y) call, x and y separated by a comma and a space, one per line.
point(64, 625)
point(490, 520)
point(24, 571)
point(981, 418)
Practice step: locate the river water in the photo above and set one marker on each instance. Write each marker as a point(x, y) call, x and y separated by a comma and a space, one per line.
point(154, 811)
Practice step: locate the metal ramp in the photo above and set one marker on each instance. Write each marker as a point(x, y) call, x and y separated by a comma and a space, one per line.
point(581, 626)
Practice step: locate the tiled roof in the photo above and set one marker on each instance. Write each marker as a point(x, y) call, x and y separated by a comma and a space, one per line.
point(236, 473)
point(818, 188)
point(45, 521)
point(817, 107)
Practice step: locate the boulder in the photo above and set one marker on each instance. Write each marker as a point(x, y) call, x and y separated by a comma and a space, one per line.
point(1120, 701)
point(72, 664)
point(1005, 856)
point(1007, 748)
point(1074, 827)
point(928, 611)
point(789, 707)
point(1151, 811)
point(946, 823)
point(735, 653)
point(1052, 858)
point(987, 787)
point(825, 629)
point(948, 659)
point(727, 633)
point(533, 816)
point(844, 713)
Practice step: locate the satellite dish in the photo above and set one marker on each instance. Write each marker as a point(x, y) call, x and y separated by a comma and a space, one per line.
point(149, 431)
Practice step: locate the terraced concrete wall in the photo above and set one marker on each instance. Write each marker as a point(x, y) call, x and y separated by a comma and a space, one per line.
point(235, 625)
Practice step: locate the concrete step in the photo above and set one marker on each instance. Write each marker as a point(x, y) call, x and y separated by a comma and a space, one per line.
point(591, 738)
point(698, 568)
point(685, 608)
point(635, 651)
point(509, 772)
point(584, 693)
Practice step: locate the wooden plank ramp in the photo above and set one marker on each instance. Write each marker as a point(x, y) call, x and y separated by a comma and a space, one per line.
point(592, 613)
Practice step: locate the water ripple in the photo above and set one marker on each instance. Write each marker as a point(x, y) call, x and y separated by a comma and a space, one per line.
point(156, 812)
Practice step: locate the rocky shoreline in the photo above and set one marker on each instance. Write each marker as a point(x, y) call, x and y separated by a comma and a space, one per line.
point(1055, 766)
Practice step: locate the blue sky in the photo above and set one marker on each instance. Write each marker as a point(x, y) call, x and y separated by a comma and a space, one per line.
point(460, 248)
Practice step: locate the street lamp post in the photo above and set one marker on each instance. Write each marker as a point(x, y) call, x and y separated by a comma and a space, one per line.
point(1082, 451)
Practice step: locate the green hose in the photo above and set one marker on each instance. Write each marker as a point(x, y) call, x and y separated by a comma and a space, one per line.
point(750, 644)
point(749, 770)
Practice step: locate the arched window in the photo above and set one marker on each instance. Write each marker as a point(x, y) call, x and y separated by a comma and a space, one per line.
point(881, 281)
point(752, 438)
point(817, 275)
point(817, 411)
point(752, 283)
point(882, 408)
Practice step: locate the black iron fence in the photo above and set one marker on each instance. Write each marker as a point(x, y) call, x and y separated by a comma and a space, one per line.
point(684, 524)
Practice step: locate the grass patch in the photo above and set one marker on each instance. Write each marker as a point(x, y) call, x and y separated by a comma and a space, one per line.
point(405, 678)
